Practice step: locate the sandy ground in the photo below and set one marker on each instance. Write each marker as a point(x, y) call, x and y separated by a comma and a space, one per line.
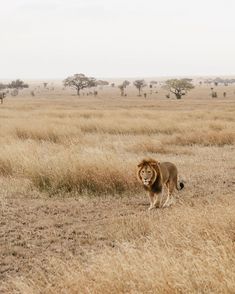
point(33, 229)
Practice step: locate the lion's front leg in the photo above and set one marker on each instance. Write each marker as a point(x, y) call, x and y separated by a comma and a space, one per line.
point(151, 199)
point(157, 201)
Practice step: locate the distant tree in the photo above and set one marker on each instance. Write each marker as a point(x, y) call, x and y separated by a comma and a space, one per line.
point(214, 94)
point(187, 80)
point(219, 80)
point(208, 81)
point(2, 96)
point(145, 95)
point(139, 84)
point(178, 87)
point(18, 85)
point(14, 92)
point(112, 85)
point(79, 82)
point(224, 94)
point(121, 87)
point(45, 85)
point(95, 93)
point(153, 84)
point(102, 83)
point(126, 83)
point(3, 86)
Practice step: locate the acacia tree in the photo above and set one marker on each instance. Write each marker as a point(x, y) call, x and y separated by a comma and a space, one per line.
point(178, 87)
point(126, 83)
point(18, 85)
point(123, 86)
point(139, 84)
point(79, 82)
point(153, 83)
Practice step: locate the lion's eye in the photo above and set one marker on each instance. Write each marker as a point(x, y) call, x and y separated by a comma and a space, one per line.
point(142, 171)
point(149, 172)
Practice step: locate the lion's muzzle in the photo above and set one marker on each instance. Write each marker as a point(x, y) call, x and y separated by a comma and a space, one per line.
point(146, 182)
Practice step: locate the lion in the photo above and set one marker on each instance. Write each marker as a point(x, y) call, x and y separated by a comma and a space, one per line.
point(155, 177)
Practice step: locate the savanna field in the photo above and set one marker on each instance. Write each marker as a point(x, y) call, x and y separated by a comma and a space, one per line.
point(74, 219)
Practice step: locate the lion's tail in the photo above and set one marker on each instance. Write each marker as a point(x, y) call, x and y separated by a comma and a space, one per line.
point(180, 185)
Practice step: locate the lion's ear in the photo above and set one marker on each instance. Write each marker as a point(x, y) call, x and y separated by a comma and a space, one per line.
point(154, 163)
point(140, 164)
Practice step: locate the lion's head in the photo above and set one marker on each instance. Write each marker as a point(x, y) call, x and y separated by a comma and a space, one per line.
point(148, 171)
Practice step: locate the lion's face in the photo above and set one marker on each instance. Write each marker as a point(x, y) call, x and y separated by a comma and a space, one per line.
point(147, 173)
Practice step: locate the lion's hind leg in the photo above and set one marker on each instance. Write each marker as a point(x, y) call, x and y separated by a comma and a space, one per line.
point(165, 204)
point(170, 188)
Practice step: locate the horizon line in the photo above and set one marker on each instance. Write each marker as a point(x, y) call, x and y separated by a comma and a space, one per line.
point(123, 77)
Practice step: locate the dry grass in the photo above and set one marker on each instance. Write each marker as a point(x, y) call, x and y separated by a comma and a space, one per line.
point(146, 145)
point(72, 148)
point(84, 148)
point(165, 253)
point(210, 138)
point(54, 168)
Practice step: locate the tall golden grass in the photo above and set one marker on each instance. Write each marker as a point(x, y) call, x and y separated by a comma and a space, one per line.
point(95, 151)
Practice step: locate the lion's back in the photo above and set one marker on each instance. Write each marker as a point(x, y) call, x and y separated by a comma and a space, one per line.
point(168, 169)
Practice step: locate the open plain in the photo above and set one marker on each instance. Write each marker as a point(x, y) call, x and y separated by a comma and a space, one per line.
point(74, 219)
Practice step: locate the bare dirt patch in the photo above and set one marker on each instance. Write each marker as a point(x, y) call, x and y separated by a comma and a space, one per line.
point(37, 228)
point(37, 232)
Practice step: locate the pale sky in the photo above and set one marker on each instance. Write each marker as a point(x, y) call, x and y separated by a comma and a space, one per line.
point(116, 38)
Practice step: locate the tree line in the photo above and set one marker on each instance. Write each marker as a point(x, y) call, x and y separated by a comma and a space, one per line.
point(179, 87)
point(17, 84)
